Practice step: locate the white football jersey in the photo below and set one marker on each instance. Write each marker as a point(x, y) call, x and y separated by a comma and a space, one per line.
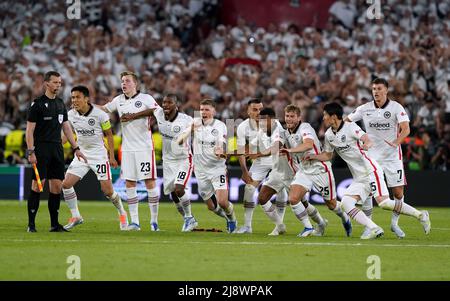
point(306, 131)
point(381, 123)
point(170, 130)
point(206, 138)
point(346, 142)
point(89, 130)
point(249, 133)
point(136, 134)
point(285, 164)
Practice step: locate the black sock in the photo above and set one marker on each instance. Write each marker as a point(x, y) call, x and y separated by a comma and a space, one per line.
point(33, 206)
point(53, 207)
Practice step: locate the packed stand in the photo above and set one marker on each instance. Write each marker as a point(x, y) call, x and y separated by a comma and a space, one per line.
point(179, 47)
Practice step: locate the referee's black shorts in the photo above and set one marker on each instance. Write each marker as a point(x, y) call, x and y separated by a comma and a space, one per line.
point(50, 161)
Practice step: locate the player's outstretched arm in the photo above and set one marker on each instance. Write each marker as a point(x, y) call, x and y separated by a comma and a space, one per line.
point(103, 108)
point(110, 140)
point(403, 133)
point(303, 147)
point(132, 116)
point(324, 156)
point(367, 142)
point(185, 134)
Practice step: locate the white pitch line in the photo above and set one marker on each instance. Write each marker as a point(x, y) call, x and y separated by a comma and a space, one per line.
point(334, 244)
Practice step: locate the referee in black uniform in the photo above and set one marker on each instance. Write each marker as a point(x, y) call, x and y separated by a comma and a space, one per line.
point(46, 117)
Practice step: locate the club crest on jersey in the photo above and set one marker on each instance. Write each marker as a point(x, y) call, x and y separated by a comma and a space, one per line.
point(60, 118)
point(387, 114)
point(91, 122)
point(214, 132)
point(176, 129)
point(297, 138)
point(138, 104)
point(343, 138)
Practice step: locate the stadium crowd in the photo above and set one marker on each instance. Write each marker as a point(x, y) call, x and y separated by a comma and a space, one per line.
point(179, 46)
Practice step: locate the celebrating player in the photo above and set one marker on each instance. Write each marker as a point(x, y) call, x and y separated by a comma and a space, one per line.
point(345, 138)
point(177, 160)
point(209, 143)
point(91, 125)
point(247, 137)
point(138, 156)
point(387, 125)
point(281, 172)
point(310, 173)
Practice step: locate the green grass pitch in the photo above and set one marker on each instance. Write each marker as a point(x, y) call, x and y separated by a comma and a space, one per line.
point(108, 254)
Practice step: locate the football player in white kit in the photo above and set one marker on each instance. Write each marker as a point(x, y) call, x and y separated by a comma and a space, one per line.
point(345, 138)
point(281, 176)
point(281, 173)
point(138, 155)
point(177, 159)
point(247, 137)
point(310, 173)
point(90, 125)
point(209, 144)
point(387, 125)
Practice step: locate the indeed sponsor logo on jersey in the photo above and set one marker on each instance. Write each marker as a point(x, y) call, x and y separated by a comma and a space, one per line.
point(167, 136)
point(379, 125)
point(343, 148)
point(207, 143)
point(84, 132)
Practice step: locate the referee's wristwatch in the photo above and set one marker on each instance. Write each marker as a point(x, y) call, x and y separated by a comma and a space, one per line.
point(29, 152)
point(75, 149)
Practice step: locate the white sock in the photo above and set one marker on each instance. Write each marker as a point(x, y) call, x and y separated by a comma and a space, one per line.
point(133, 204)
point(229, 211)
point(220, 212)
point(117, 202)
point(71, 200)
point(344, 217)
point(281, 203)
point(153, 204)
point(396, 213)
point(367, 207)
point(348, 204)
point(406, 209)
point(186, 205)
point(314, 214)
point(271, 211)
point(301, 214)
point(249, 205)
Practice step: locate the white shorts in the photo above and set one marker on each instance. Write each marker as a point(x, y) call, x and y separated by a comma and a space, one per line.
point(324, 183)
point(259, 171)
point(394, 172)
point(80, 168)
point(138, 165)
point(208, 183)
point(277, 182)
point(371, 186)
point(176, 173)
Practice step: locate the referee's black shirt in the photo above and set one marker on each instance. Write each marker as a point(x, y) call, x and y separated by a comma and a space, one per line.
point(49, 115)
